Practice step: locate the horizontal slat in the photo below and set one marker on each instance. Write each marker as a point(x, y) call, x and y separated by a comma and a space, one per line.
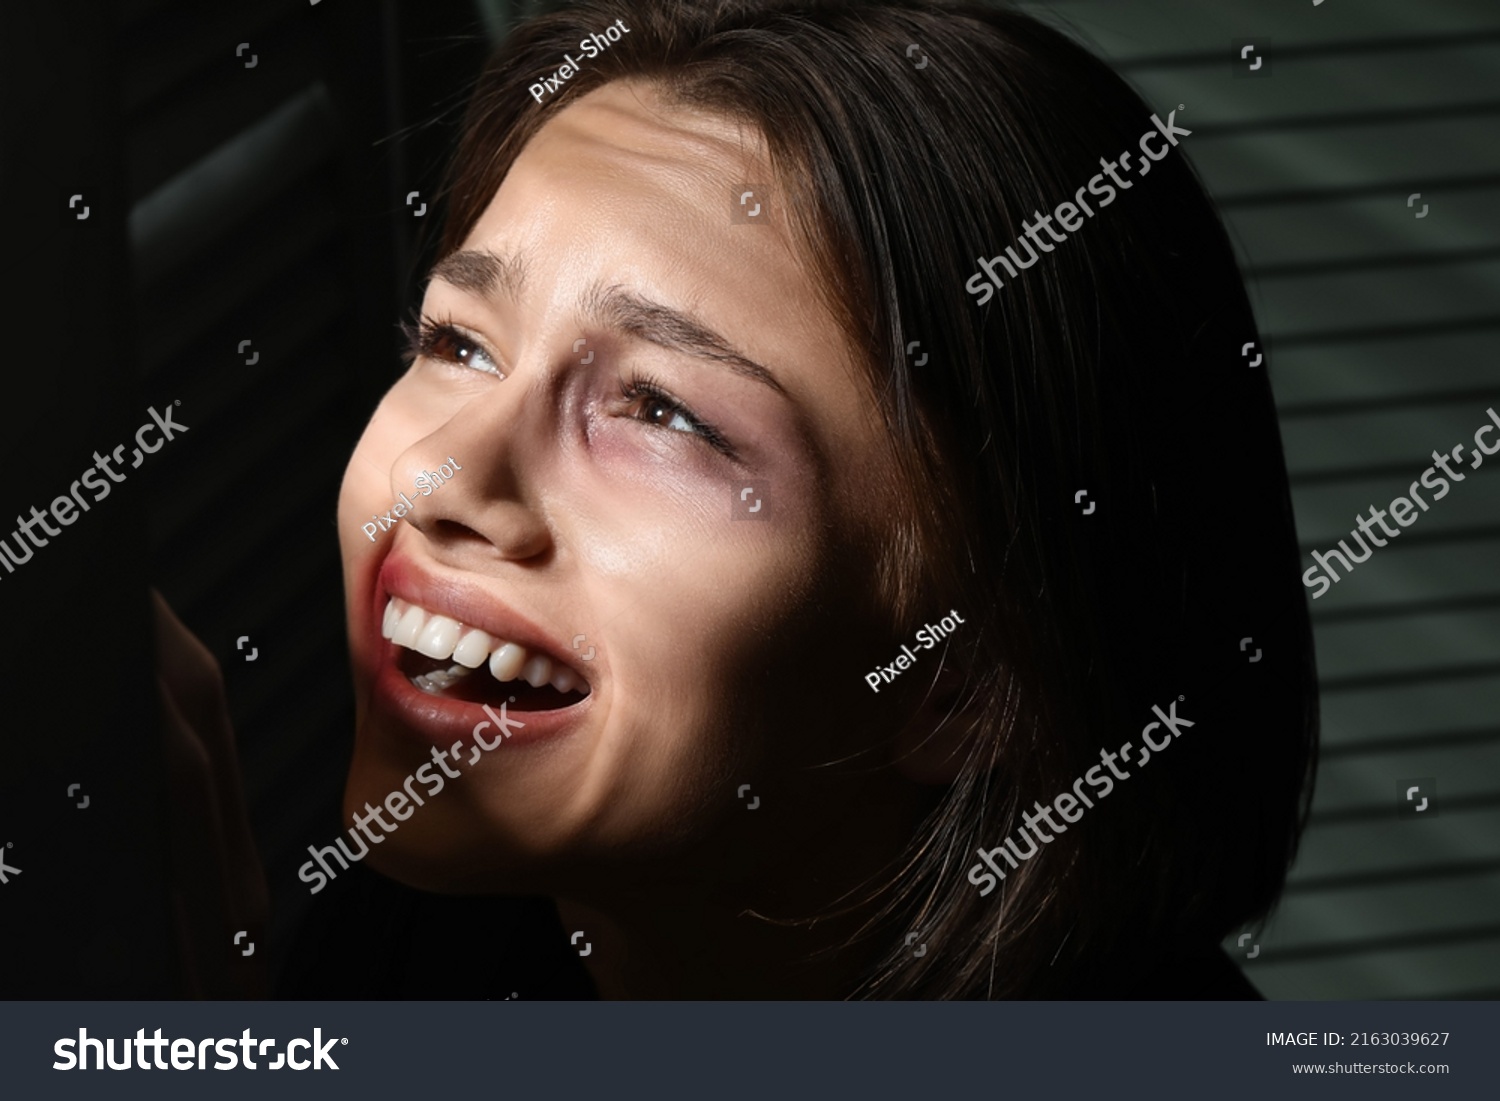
point(1292, 309)
point(1411, 645)
point(1331, 921)
point(1326, 509)
point(1403, 709)
point(1391, 841)
point(1367, 228)
point(1373, 778)
point(1392, 371)
point(1400, 970)
point(1400, 437)
point(1353, 156)
point(1180, 31)
point(1376, 86)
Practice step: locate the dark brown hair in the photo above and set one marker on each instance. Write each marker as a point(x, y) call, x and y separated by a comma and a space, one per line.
point(1112, 367)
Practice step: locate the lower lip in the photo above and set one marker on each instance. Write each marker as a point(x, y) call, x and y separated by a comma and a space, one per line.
point(441, 722)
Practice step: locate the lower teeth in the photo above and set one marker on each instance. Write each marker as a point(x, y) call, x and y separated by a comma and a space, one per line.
point(440, 679)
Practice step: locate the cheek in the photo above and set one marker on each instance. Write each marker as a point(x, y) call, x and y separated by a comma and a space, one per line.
point(739, 669)
point(695, 606)
point(765, 626)
point(714, 635)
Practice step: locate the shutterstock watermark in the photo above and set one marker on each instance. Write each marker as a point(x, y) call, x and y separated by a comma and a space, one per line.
point(74, 1054)
point(1401, 510)
point(985, 283)
point(1067, 803)
point(399, 801)
point(65, 511)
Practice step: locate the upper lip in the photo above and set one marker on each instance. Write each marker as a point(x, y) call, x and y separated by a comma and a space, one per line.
point(471, 605)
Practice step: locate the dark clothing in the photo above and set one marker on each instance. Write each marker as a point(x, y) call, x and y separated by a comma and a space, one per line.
point(368, 937)
point(1206, 975)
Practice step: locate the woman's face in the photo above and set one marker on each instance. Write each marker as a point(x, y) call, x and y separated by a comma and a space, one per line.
point(665, 493)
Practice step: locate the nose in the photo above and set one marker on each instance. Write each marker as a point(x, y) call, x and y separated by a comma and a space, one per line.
point(496, 446)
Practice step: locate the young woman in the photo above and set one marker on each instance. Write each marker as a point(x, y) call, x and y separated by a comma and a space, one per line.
point(829, 538)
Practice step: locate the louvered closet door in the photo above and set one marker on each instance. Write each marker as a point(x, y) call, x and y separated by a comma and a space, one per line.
point(83, 909)
point(1384, 324)
point(267, 162)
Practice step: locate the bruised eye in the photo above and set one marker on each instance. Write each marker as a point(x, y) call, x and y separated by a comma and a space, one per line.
point(648, 402)
point(442, 341)
point(666, 415)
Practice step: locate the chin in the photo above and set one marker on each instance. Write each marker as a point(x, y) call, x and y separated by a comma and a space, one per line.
point(455, 843)
point(435, 851)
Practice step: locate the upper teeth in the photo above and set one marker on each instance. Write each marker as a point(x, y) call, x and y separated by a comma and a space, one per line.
point(440, 637)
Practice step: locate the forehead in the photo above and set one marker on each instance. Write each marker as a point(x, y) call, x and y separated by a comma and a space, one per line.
point(624, 188)
point(621, 167)
point(632, 123)
point(626, 138)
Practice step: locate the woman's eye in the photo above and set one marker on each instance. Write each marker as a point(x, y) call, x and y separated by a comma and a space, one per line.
point(444, 342)
point(666, 415)
point(648, 402)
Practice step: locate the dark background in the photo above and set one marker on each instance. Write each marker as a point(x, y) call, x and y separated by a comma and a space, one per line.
point(268, 204)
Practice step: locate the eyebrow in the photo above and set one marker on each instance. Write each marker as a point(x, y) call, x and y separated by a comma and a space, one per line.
point(490, 274)
point(633, 314)
point(481, 272)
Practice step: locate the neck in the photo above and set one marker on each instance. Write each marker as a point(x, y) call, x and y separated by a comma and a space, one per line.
point(696, 941)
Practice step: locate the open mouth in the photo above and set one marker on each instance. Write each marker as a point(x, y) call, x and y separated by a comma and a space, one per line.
point(444, 658)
